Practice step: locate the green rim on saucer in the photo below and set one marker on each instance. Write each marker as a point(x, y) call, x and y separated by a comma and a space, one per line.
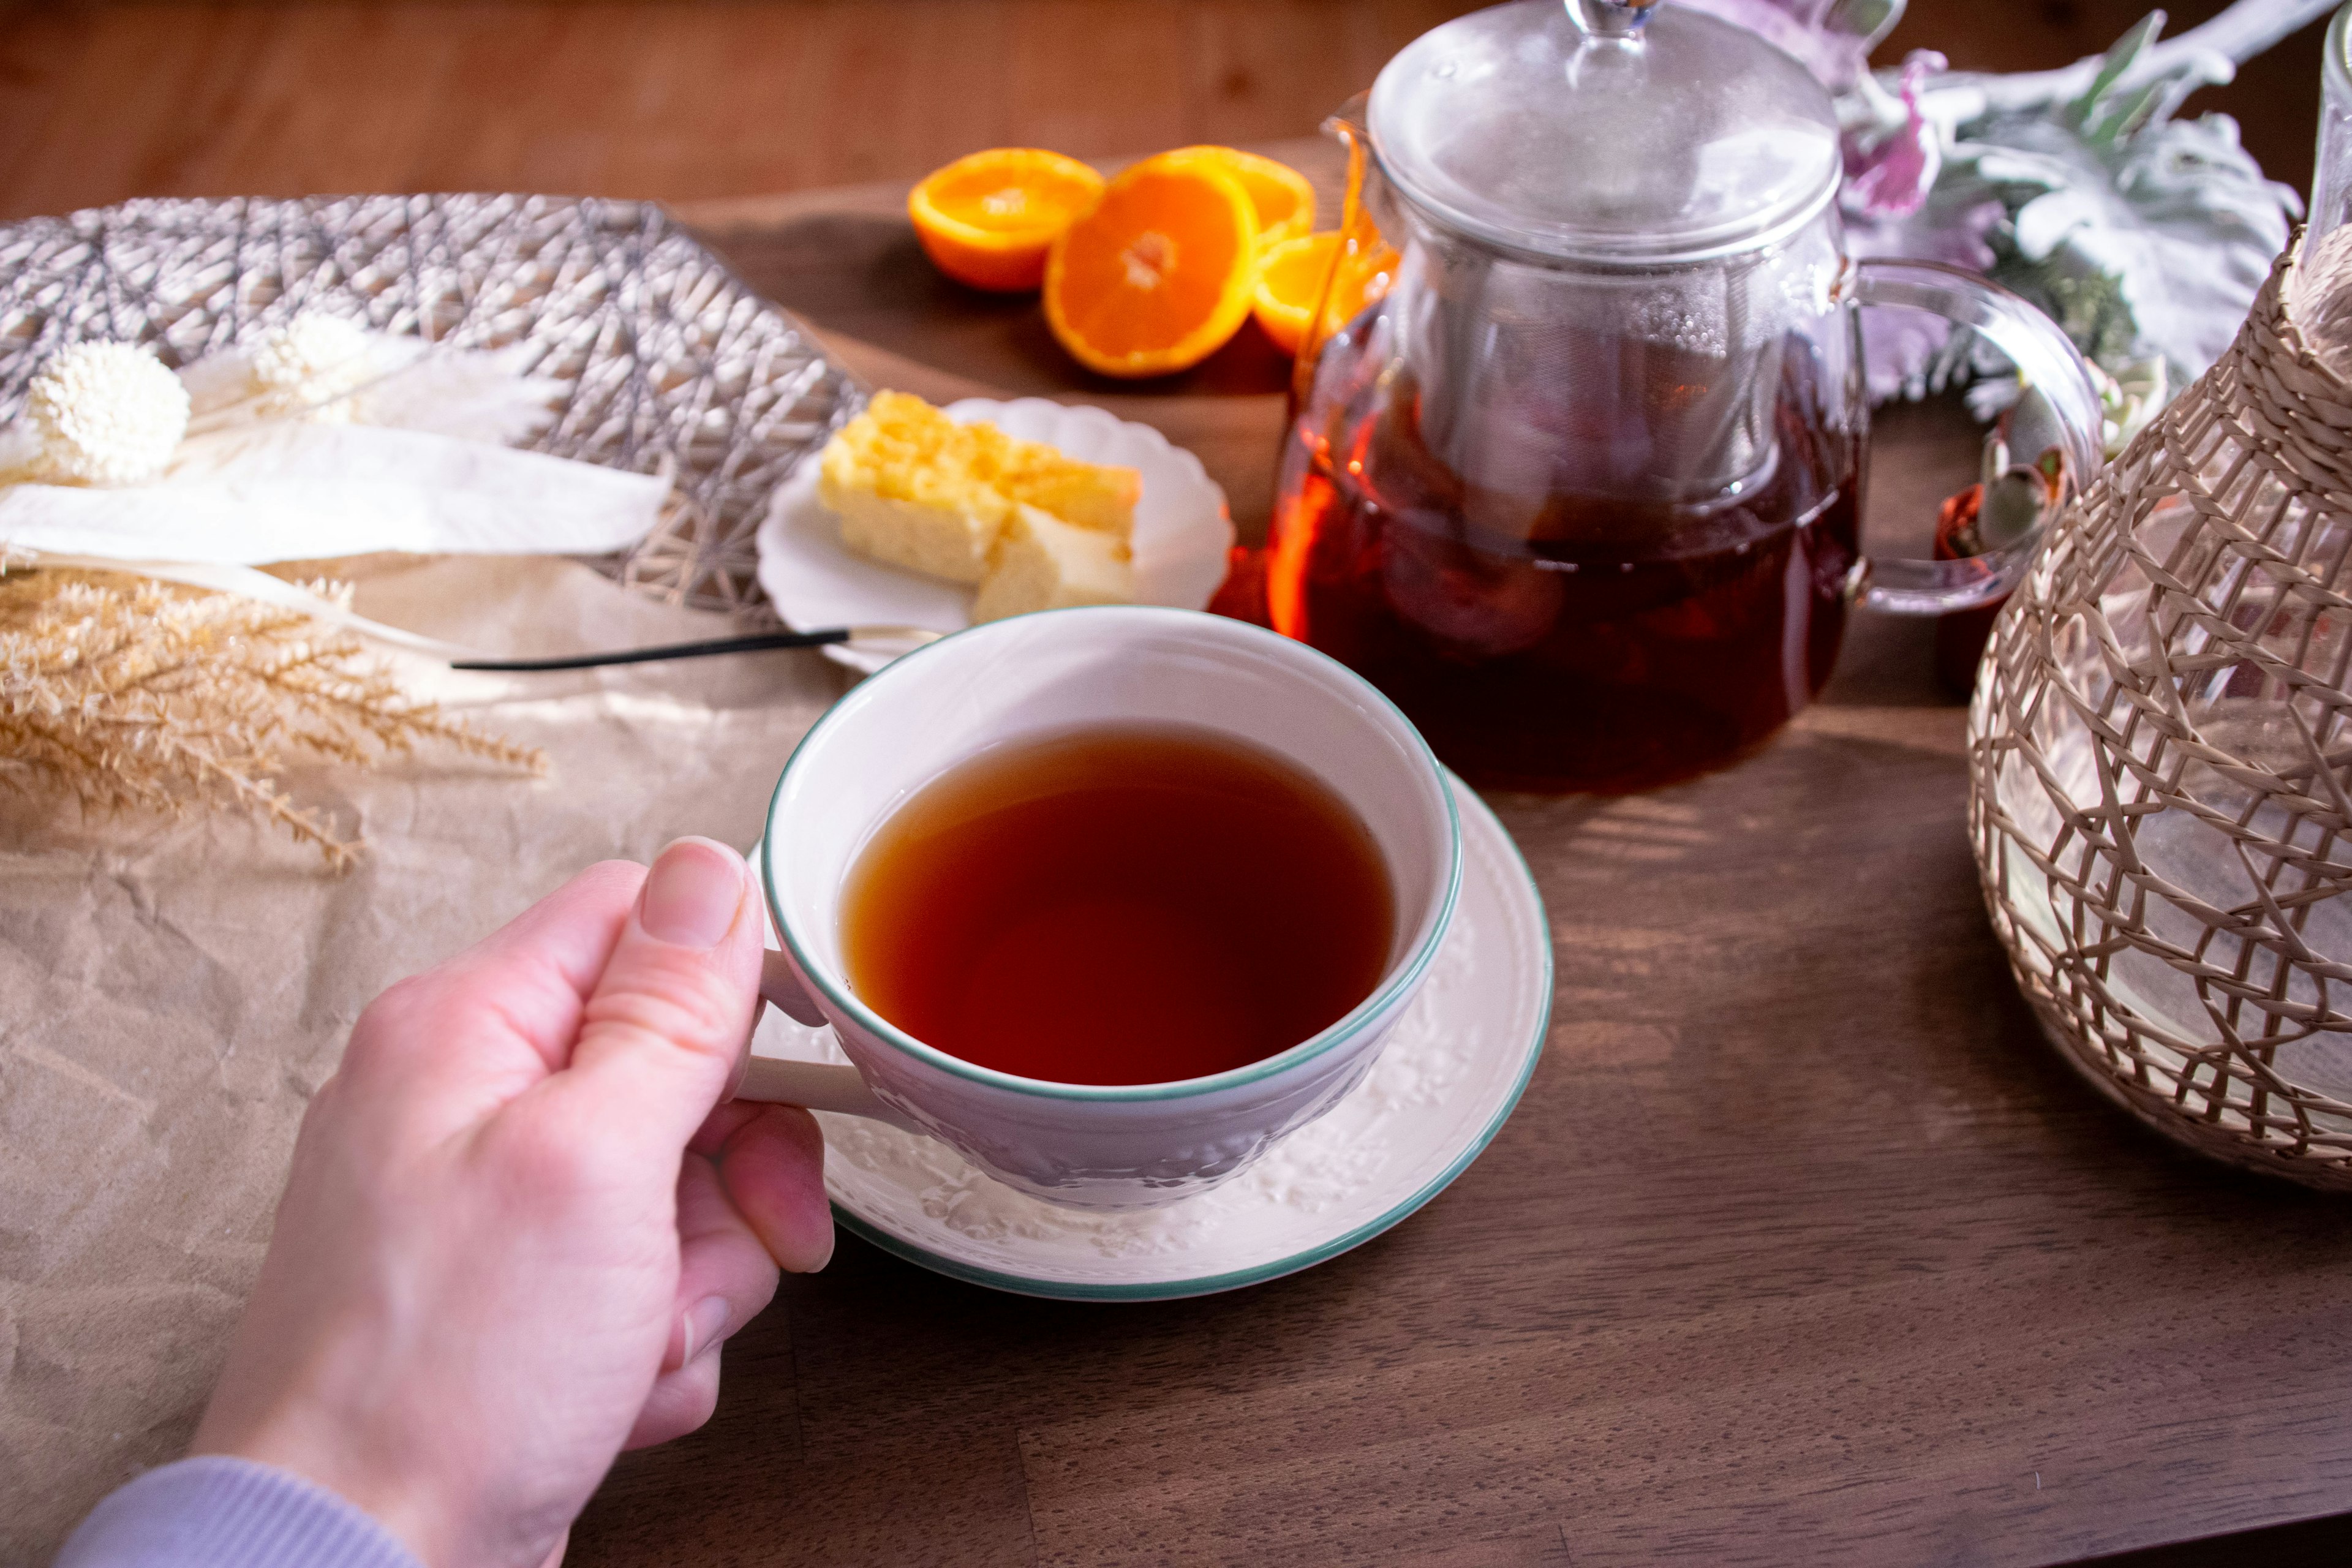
point(1475, 817)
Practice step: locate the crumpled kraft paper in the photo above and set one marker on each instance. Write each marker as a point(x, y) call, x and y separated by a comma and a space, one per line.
point(171, 992)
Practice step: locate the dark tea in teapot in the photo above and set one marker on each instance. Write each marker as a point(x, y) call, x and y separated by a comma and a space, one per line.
point(1574, 472)
point(1566, 642)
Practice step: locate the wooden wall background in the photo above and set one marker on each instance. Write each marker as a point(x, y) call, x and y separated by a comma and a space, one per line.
point(680, 99)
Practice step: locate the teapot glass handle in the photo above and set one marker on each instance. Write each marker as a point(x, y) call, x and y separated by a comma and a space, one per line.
point(2049, 363)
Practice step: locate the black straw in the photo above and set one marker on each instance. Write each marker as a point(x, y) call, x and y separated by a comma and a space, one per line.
point(753, 644)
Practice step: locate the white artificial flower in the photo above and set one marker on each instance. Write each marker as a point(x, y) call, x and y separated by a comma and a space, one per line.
point(309, 368)
point(103, 414)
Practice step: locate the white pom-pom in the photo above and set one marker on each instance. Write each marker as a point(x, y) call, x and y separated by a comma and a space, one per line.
point(105, 414)
point(310, 367)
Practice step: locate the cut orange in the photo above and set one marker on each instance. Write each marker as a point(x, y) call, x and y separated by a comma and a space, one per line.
point(1159, 274)
point(1290, 278)
point(1362, 271)
point(1278, 193)
point(988, 219)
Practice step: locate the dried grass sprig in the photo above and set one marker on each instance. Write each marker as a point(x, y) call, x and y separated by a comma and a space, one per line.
point(131, 694)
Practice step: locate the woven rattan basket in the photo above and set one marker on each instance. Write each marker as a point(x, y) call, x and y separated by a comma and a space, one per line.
point(667, 359)
point(2160, 765)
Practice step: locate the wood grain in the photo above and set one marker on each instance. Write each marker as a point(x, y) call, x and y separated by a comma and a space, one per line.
point(678, 101)
point(695, 100)
point(1803, 1247)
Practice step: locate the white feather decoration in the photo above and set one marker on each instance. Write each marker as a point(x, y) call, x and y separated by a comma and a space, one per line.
point(320, 439)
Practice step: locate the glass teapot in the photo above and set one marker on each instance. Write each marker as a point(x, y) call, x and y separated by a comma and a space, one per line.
point(1576, 466)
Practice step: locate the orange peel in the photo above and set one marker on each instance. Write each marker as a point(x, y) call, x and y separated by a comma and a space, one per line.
point(1279, 194)
point(1159, 274)
point(989, 219)
point(1291, 276)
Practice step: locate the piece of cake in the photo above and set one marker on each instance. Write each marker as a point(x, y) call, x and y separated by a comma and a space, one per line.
point(916, 489)
point(1088, 494)
point(1044, 564)
point(899, 476)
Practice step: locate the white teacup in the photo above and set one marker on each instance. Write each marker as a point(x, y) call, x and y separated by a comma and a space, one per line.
point(1085, 1145)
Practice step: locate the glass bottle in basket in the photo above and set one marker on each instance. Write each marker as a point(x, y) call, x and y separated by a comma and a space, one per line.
point(1576, 466)
point(2160, 742)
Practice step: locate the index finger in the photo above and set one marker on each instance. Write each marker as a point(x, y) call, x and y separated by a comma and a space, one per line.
point(524, 984)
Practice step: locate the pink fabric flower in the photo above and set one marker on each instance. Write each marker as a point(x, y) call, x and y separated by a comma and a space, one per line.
point(1889, 167)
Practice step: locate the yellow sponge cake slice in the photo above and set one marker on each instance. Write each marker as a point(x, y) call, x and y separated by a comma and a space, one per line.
point(1044, 564)
point(916, 489)
point(1087, 494)
point(950, 539)
point(900, 477)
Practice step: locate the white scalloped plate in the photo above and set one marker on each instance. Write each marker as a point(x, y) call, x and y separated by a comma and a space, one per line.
point(1444, 1085)
point(1182, 531)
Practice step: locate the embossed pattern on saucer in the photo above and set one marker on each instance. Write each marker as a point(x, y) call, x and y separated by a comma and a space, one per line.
point(1444, 1084)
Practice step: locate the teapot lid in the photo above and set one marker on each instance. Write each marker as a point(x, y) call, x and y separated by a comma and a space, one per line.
point(1601, 130)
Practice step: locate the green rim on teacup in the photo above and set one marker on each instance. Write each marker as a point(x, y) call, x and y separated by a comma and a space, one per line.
point(1390, 988)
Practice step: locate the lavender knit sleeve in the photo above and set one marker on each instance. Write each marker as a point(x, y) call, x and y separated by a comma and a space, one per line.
point(217, 1513)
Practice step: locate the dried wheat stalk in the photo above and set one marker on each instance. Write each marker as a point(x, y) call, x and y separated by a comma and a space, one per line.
point(127, 693)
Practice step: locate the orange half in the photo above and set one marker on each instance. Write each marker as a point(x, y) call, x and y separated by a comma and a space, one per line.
point(1290, 278)
point(1279, 194)
point(1159, 274)
point(989, 219)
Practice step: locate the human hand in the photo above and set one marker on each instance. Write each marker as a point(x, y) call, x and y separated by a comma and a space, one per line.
point(516, 1230)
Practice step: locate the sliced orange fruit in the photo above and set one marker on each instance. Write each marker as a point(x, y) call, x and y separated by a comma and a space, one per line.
point(1290, 278)
point(1159, 274)
point(1362, 271)
point(988, 219)
point(1278, 193)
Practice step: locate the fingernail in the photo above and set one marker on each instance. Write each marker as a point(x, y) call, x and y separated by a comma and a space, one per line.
point(705, 1321)
point(693, 893)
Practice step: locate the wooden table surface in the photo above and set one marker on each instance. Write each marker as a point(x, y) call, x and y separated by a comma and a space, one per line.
point(1802, 1248)
point(689, 99)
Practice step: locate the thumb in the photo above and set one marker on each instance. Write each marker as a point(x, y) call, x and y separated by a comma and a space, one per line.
point(674, 1008)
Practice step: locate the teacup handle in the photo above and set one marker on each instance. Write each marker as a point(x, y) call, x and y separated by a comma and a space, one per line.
point(818, 1086)
point(2049, 362)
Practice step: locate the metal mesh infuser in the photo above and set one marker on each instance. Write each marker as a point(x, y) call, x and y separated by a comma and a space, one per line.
point(2160, 765)
point(664, 358)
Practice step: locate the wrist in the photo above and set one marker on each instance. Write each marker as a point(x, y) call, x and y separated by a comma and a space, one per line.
point(224, 1509)
point(407, 1504)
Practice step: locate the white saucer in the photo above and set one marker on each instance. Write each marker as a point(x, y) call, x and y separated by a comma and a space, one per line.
point(1444, 1085)
point(1182, 532)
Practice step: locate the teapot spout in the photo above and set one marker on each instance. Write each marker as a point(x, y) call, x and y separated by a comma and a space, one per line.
point(1365, 262)
point(1351, 126)
point(1348, 123)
